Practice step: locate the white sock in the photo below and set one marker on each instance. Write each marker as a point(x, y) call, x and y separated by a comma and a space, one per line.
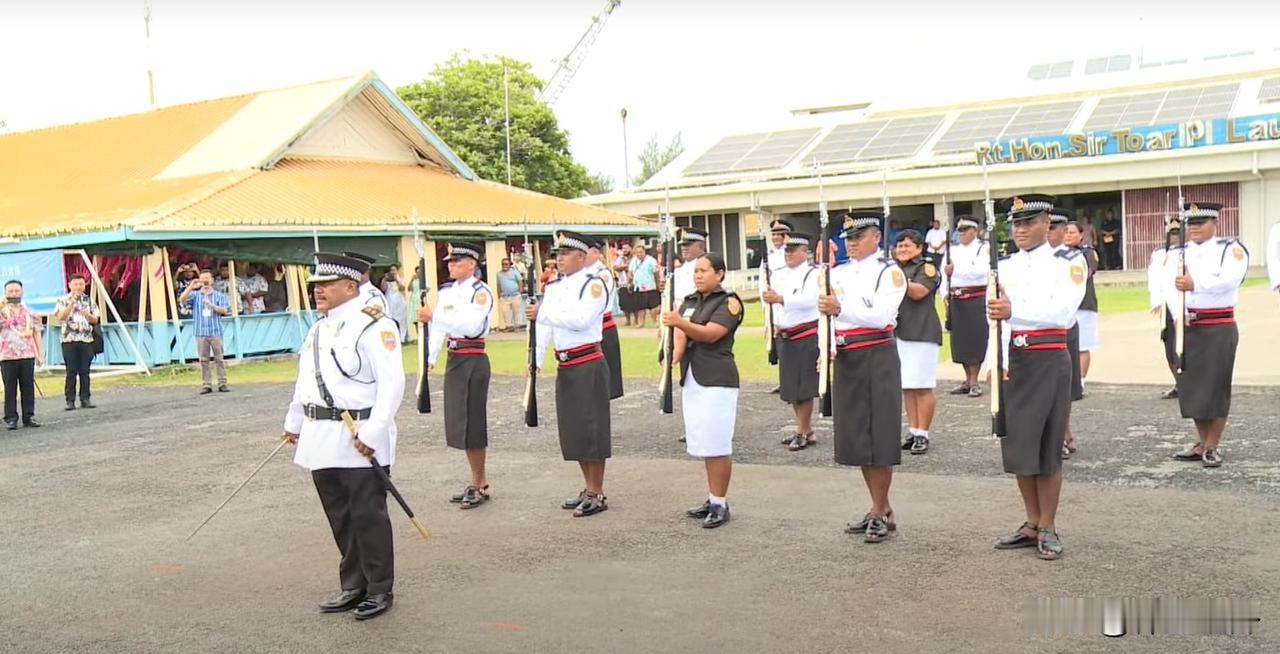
point(1082, 381)
point(913, 431)
point(716, 501)
point(923, 432)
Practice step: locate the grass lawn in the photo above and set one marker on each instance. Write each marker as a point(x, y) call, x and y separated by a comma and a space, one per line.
point(508, 357)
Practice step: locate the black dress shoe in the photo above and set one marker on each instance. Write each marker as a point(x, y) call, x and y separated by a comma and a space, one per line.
point(71, 405)
point(718, 515)
point(11, 424)
point(373, 606)
point(344, 601)
point(701, 511)
point(86, 404)
point(30, 422)
point(206, 390)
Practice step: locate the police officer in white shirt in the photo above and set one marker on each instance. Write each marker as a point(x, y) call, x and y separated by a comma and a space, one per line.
point(794, 300)
point(1215, 267)
point(964, 289)
point(569, 316)
point(693, 244)
point(866, 400)
point(370, 295)
point(350, 362)
point(1161, 291)
point(775, 259)
point(1041, 291)
point(461, 319)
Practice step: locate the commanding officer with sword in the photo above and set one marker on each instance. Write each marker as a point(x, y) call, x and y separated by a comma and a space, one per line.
point(350, 365)
point(569, 316)
point(462, 319)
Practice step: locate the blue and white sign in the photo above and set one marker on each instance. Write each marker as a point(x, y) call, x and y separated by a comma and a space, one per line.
point(1148, 138)
point(42, 274)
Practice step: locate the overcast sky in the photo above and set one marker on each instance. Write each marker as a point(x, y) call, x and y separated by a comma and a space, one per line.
point(703, 68)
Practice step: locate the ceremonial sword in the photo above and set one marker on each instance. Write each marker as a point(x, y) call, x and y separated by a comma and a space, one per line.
point(283, 442)
point(386, 479)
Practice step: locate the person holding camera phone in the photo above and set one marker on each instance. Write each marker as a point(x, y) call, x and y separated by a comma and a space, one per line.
point(78, 316)
point(208, 306)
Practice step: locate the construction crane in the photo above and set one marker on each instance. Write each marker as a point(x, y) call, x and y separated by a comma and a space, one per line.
point(568, 66)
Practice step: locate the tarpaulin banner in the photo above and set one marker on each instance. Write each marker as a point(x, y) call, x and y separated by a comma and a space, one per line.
point(41, 273)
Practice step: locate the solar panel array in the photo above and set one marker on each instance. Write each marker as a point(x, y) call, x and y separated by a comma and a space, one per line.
point(876, 140)
point(1270, 90)
point(1124, 111)
point(973, 126)
point(1112, 64)
point(1041, 119)
point(760, 151)
point(1197, 104)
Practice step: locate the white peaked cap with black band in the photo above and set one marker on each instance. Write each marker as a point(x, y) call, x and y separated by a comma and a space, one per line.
point(573, 241)
point(462, 249)
point(331, 267)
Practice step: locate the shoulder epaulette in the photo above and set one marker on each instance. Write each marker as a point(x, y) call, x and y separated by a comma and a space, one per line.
point(373, 311)
point(1067, 253)
point(447, 284)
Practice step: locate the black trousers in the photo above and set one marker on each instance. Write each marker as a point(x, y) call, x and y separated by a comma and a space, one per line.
point(355, 501)
point(77, 357)
point(19, 375)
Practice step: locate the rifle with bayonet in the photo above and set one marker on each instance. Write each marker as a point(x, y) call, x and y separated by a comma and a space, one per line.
point(822, 256)
point(995, 342)
point(423, 390)
point(531, 296)
point(667, 347)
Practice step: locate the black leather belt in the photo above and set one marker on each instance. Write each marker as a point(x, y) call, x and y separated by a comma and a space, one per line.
point(316, 412)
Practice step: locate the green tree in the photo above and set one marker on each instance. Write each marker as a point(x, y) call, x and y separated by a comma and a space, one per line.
point(462, 101)
point(655, 157)
point(598, 183)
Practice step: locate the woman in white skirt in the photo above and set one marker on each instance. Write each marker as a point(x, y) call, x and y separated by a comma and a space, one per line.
point(704, 328)
point(1087, 315)
point(919, 337)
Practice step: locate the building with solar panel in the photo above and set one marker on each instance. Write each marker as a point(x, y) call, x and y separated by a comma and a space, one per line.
point(1111, 137)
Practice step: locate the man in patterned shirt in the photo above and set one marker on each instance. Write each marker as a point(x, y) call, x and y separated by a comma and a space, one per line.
point(78, 316)
point(19, 354)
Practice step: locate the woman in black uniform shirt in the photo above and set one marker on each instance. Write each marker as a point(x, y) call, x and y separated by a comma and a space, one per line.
point(704, 329)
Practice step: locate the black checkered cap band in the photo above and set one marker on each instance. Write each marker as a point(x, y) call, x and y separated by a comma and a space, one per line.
point(691, 237)
point(570, 243)
point(464, 252)
point(862, 223)
point(1034, 205)
point(965, 222)
point(1201, 213)
point(796, 240)
point(333, 272)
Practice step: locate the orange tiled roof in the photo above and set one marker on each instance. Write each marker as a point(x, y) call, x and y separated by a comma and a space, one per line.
point(361, 194)
point(94, 176)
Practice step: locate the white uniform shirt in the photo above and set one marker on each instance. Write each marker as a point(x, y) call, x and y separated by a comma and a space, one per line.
point(683, 279)
point(972, 264)
point(799, 290)
point(1217, 268)
point(1160, 277)
point(1273, 257)
point(462, 311)
point(570, 312)
point(936, 240)
point(869, 291)
point(370, 295)
point(602, 271)
point(775, 260)
point(1044, 290)
point(372, 358)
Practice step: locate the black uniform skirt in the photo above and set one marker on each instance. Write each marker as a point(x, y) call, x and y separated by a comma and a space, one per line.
point(466, 401)
point(613, 357)
point(1167, 335)
point(798, 369)
point(1036, 399)
point(866, 405)
point(582, 411)
point(969, 330)
point(1073, 349)
point(1204, 387)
